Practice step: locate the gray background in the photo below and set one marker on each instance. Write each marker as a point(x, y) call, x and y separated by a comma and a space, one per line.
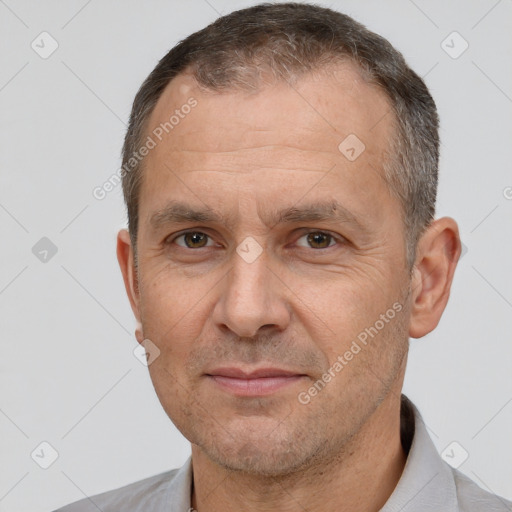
point(68, 374)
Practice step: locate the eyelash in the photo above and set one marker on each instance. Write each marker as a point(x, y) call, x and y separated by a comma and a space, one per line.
point(333, 238)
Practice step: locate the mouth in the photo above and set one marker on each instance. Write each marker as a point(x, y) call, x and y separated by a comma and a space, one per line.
point(260, 382)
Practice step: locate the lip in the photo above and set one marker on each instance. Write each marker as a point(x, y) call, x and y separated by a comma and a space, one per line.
point(259, 382)
point(238, 373)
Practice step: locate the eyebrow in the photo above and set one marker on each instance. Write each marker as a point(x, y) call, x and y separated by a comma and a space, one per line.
point(176, 212)
point(314, 212)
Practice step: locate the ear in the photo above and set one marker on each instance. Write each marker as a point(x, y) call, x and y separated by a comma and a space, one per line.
point(437, 255)
point(125, 257)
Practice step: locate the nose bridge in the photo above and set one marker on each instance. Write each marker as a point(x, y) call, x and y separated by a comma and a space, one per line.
point(249, 280)
point(250, 298)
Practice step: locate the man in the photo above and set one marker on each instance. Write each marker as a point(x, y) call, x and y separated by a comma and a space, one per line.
point(280, 176)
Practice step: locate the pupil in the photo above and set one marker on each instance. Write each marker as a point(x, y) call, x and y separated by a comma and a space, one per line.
point(196, 239)
point(319, 239)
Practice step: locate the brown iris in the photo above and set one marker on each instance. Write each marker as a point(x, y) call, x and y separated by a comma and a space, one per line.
point(195, 240)
point(319, 240)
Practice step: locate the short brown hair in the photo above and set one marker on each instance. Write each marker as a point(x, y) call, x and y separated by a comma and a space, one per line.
point(289, 40)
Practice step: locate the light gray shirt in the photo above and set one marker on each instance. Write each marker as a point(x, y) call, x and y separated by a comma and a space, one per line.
point(427, 484)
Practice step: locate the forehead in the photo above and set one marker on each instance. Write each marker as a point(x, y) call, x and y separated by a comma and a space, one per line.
point(332, 102)
point(331, 119)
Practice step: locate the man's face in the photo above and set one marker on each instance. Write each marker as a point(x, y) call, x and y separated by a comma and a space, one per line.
point(269, 282)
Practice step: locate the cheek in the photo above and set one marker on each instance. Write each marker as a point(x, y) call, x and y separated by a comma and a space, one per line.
point(173, 316)
point(173, 390)
point(174, 310)
point(342, 306)
point(357, 320)
point(174, 305)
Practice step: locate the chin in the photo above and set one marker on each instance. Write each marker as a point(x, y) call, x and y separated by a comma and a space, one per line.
point(272, 455)
point(252, 461)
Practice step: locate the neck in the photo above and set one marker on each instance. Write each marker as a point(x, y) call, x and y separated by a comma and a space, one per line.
point(362, 478)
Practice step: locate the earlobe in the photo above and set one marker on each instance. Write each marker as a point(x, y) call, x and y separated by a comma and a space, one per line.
point(437, 256)
point(139, 335)
point(125, 257)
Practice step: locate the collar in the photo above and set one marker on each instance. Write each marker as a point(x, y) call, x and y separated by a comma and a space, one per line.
point(178, 495)
point(427, 483)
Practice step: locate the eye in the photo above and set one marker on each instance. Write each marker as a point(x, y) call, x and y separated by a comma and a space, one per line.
point(317, 240)
point(193, 240)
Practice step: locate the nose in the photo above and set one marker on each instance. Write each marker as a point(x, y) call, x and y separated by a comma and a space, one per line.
point(251, 298)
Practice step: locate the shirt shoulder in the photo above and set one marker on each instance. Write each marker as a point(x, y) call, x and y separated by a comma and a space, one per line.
point(428, 483)
point(144, 495)
point(472, 498)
